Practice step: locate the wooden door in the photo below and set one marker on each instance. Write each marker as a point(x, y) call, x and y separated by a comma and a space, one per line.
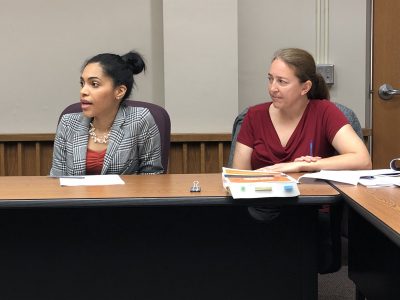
point(385, 69)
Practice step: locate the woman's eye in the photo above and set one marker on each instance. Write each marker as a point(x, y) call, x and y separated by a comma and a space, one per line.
point(81, 83)
point(95, 84)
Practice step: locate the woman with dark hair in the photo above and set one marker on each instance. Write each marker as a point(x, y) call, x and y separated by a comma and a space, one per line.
point(107, 137)
point(300, 130)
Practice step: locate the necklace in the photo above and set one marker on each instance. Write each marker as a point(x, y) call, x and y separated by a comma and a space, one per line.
point(100, 140)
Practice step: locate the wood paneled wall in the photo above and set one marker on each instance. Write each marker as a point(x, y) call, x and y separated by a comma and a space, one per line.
point(31, 154)
point(25, 154)
point(198, 153)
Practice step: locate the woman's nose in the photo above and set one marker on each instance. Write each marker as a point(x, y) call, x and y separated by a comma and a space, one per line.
point(83, 90)
point(272, 85)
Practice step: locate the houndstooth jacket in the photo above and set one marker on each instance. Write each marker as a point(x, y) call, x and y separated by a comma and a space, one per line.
point(134, 144)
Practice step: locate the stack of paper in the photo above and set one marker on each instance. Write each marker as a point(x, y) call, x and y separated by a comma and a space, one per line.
point(380, 180)
point(370, 178)
point(258, 184)
point(350, 177)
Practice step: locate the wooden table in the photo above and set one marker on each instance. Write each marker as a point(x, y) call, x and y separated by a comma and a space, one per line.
point(153, 239)
point(374, 240)
point(167, 189)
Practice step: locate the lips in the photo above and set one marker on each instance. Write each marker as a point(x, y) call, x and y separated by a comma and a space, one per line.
point(85, 104)
point(275, 98)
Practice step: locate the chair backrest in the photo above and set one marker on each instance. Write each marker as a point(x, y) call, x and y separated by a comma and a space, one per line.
point(352, 118)
point(160, 115)
point(349, 114)
point(235, 131)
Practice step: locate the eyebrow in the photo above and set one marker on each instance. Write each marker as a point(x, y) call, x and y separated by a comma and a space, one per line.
point(91, 78)
point(280, 77)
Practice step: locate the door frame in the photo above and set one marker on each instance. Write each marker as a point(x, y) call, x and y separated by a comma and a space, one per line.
point(369, 46)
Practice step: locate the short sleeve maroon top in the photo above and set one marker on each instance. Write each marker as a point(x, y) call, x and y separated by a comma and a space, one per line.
point(318, 126)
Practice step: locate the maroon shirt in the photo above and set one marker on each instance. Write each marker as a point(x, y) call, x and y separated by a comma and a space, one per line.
point(318, 126)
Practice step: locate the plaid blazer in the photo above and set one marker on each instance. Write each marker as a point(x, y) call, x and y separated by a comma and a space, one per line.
point(134, 144)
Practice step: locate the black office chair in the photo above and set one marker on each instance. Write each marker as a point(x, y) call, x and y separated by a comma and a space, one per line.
point(332, 225)
point(160, 115)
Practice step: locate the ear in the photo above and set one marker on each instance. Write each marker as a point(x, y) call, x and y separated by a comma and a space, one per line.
point(120, 92)
point(306, 87)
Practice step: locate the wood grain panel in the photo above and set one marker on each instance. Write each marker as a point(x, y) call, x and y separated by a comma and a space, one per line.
point(11, 159)
point(200, 137)
point(185, 157)
point(213, 159)
point(193, 158)
point(28, 162)
point(27, 137)
point(2, 160)
point(383, 203)
point(46, 157)
point(31, 154)
point(175, 164)
point(385, 69)
point(37, 159)
point(202, 157)
point(19, 159)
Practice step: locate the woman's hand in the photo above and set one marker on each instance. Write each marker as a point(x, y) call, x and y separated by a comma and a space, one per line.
point(289, 167)
point(300, 164)
point(308, 158)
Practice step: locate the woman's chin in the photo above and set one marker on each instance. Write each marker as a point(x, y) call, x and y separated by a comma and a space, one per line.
point(88, 113)
point(277, 104)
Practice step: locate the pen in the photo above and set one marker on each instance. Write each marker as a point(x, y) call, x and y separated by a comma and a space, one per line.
point(311, 148)
point(367, 177)
point(74, 177)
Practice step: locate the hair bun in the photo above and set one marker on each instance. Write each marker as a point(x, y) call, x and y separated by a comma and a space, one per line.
point(135, 62)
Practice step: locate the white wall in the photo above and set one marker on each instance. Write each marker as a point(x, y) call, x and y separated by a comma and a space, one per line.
point(347, 51)
point(201, 64)
point(265, 26)
point(45, 42)
point(207, 59)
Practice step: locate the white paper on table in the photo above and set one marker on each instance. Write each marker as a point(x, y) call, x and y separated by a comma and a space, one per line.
point(350, 177)
point(380, 181)
point(91, 180)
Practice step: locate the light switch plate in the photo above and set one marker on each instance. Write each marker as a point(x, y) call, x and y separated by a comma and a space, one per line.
point(327, 72)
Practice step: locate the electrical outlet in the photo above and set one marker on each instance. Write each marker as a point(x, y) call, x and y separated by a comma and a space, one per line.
point(327, 72)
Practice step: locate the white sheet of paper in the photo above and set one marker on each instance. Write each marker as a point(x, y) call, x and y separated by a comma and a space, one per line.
point(350, 177)
point(91, 180)
point(380, 181)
